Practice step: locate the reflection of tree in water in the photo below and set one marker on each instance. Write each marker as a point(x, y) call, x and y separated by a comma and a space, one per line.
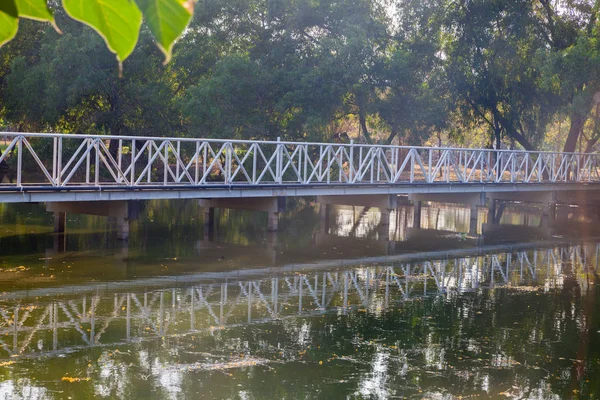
point(579, 306)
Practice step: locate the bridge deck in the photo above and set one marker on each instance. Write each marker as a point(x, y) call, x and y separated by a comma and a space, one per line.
point(35, 194)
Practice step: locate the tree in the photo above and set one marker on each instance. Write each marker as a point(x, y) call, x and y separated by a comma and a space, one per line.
point(289, 69)
point(492, 68)
point(67, 83)
point(376, 71)
point(412, 91)
point(571, 29)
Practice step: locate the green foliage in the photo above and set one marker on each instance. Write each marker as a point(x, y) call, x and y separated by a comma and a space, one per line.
point(67, 83)
point(492, 68)
point(34, 9)
point(483, 72)
point(9, 21)
point(166, 19)
point(118, 22)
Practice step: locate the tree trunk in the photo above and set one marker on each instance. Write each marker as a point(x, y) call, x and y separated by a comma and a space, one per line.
point(522, 140)
point(392, 136)
point(590, 144)
point(113, 148)
point(498, 139)
point(363, 125)
point(512, 132)
point(362, 117)
point(577, 122)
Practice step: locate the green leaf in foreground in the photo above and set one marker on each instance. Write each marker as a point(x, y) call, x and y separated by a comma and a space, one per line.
point(9, 21)
point(37, 10)
point(117, 21)
point(34, 9)
point(167, 19)
point(9, 7)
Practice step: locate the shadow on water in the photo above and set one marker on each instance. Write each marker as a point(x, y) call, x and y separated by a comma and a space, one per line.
point(353, 306)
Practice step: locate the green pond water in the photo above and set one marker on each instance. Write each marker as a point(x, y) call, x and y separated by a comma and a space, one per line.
point(343, 306)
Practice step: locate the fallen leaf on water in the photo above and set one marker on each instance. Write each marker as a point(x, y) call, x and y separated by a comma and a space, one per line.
point(72, 379)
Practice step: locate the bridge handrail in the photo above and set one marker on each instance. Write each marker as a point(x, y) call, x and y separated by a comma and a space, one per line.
point(57, 160)
point(276, 142)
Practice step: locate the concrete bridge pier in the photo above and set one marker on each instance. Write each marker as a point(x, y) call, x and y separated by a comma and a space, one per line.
point(324, 214)
point(391, 247)
point(209, 223)
point(383, 229)
point(274, 206)
point(60, 222)
point(122, 212)
point(417, 206)
point(60, 238)
point(385, 217)
point(548, 214)
point(491, 211)
point(121, 226)
point(272, 246)
point(474, 220)
point(273, 222)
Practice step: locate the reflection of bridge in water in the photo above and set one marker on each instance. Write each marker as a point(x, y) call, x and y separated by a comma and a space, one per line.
point(60, 320)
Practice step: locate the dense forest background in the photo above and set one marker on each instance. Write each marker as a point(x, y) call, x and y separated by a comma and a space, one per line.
point(485, 73)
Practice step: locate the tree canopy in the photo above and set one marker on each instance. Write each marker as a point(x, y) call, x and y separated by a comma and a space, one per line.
point(512, 73)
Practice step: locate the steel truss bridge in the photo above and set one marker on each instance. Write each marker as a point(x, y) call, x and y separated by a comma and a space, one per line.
point(66, 167)
point(64, 320)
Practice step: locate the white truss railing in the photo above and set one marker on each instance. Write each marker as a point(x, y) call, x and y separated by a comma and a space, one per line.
point(63, 160)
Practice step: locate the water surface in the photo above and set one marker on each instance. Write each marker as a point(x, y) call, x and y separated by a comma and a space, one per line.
point(346, 307)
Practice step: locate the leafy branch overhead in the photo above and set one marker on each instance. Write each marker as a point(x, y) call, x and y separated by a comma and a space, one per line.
point(117, 21)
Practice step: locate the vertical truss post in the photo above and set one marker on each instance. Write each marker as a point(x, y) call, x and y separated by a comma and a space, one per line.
point(351, 163)
point(278, 161)
point(59, 161)
point(177, 159)
point(197, 163)
point(253, 149)
point(148, 175)
point(305, 178)
point(87, 161)
point(166, 162)
point(20, 161)
point(54, 155)
point(228, 161)
point(132, 172)
point(120, 176)
point(97, 163)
